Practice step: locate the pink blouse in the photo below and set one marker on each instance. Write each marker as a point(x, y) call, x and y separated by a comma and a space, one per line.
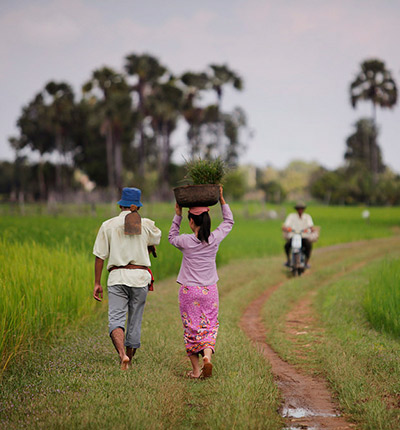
point(198, 266)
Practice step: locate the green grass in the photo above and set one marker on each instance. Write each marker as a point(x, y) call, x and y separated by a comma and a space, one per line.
point(42, 290)
point(362, 365)
point(382, 297)
point(76, 382)
point(72, 380)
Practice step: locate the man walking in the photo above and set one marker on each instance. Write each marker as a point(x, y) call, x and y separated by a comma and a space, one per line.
point(124, 241)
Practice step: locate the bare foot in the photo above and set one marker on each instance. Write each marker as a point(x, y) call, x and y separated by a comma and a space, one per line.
point(125, 363)
point(191, 375)
point(206, 371)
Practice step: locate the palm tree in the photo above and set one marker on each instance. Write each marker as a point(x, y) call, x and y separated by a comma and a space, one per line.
point(234, 122)
point(147, 70)
point(195, 84)
point(61, 117)
point(109, 93)
point(221, 76)
point(35, 133)
point(374, 83)
point(165, 105)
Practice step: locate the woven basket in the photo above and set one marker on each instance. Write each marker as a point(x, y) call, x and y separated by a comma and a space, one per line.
point(314, 235)
point(197, 195)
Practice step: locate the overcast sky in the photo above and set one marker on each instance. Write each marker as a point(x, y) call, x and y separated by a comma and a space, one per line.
point(297, 58)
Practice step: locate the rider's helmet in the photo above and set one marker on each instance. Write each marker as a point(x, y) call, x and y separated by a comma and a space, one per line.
point(300, 205)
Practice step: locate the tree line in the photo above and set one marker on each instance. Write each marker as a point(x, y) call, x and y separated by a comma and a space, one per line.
point(118, 130)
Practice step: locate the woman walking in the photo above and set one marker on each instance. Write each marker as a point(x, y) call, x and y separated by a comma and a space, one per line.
point(198, 294)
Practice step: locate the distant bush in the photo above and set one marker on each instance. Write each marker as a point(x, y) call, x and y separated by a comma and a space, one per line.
point(235, 184)
point(349, 186)
point(274, 192)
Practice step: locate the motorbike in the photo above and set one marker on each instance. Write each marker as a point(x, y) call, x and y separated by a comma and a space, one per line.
point(297, 262)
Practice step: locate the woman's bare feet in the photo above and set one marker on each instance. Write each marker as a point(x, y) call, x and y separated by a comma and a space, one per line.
point(194, 360)
point(191, 375)
point(206, 371)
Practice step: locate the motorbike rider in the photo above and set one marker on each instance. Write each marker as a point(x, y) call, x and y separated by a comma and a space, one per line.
point(298, 221)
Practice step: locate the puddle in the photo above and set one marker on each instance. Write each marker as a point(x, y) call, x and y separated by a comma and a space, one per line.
point(302, 428)
point(303, 413)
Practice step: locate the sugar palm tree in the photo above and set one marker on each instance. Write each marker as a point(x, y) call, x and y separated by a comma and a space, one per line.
point(61, 117)
point(147, 71)
point(222, 76)
point(109, 93)
point(374, 83)
point(194, 85)
point(35, 133)
point(165, 105)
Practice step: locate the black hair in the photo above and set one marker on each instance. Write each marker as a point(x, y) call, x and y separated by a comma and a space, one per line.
point(204, 222)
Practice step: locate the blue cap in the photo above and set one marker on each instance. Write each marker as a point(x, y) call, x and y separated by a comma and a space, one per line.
point(130, 196)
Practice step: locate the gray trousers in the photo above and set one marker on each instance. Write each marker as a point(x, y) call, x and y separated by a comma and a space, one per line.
point(124, 300)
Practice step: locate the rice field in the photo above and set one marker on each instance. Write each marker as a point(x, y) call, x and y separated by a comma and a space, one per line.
point(42, 290)
point(382, 297)
point(46, 261)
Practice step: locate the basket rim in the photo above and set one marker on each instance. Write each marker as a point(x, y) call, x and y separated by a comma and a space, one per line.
point(196, 185)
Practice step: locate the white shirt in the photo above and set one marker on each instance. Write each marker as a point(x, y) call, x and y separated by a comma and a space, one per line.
point(121, 249)
point(294, 221)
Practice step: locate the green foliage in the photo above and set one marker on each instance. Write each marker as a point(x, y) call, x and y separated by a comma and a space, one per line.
point(291, 182)
point(205, 171)
point(363, 149)
point(382, 297)
point(374, 83)
point(355, 185)
point(234, 184)
point(6, 177)
point(274, 192)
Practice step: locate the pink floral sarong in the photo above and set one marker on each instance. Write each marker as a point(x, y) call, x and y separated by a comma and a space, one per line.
point(199, 313)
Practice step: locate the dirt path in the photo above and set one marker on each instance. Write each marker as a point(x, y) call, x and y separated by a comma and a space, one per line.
point(307, 402)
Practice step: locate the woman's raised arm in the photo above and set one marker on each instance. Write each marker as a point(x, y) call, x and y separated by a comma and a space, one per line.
point(173, 236)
